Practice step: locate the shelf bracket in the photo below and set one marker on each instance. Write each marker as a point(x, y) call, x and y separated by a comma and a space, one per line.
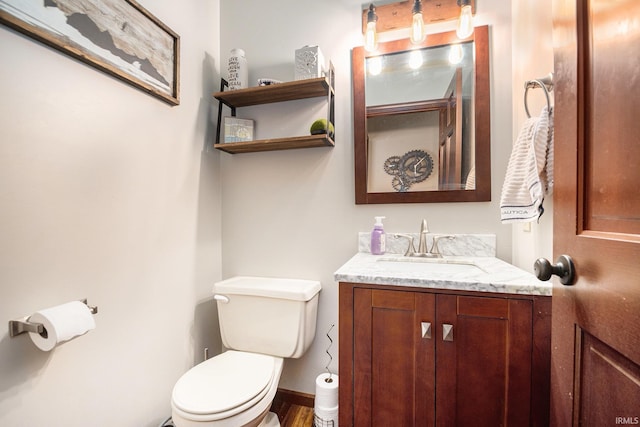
point(223, 84)
point(331, 102)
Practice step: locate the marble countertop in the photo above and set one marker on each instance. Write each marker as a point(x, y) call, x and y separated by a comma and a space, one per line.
point(468, 273)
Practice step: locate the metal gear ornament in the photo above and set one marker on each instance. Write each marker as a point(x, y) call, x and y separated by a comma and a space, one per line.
point(400, 184)
point(392, 165)
point(413, 167)
point(417, 165)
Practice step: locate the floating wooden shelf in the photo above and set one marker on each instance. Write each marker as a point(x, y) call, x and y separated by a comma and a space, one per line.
point(277, 144)
point(289, 91)
point(279, 92)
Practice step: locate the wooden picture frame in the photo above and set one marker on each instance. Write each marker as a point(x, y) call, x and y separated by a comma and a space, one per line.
point(119, 37)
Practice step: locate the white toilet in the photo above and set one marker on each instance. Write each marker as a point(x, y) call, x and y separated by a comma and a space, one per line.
point(262, 321)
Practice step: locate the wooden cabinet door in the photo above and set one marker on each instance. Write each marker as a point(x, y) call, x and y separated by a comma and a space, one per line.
point(492, 369)
point(393, 364)
point(484, 363)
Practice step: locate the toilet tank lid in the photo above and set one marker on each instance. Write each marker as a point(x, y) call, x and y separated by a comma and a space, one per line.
point(293, 289)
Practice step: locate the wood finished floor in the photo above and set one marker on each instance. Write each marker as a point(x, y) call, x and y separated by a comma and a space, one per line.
point(293, 409)
point(294, 415)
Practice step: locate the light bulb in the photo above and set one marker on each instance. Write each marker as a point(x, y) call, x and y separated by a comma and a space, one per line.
point(417, 29)
point(415, 59)
point(455, 54)
point(371, 37)
point(465, 22)
point(374, 65)
point(371, 34)
point(417, 23)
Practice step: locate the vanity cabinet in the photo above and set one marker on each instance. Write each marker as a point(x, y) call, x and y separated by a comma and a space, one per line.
point(414, 357)
point(275, 93)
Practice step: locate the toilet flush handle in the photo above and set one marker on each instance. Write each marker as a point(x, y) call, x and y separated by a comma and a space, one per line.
point(221, 298)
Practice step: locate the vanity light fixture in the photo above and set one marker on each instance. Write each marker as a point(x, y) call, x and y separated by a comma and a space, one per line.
point(412, 17)
point(371, 34)
point(417, 24)
point(465, 22)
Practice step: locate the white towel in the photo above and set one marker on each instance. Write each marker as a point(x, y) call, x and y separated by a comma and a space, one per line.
point(530, 171)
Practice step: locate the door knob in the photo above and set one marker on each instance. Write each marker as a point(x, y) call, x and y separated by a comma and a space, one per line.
point(563, 268)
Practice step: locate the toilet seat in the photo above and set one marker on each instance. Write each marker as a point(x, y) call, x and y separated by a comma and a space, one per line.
point(226, 385)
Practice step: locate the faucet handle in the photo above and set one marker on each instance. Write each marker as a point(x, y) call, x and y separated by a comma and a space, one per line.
point(434, 247)
point(411, 249)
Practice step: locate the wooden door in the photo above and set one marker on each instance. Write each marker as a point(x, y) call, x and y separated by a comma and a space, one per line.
point(484, 367)
point(450, 151)
point(393, 364)
point(595, 374)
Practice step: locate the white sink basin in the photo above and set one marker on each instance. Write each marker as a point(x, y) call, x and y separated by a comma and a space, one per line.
point(432, 265)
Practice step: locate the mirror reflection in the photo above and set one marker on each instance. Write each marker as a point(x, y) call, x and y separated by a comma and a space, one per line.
point(430, 110)
point(416, 111)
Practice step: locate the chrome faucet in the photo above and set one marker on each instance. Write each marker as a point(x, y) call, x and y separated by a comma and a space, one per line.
point(423, 250)
point(422, 245)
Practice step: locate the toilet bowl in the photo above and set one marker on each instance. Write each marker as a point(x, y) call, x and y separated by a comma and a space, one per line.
point(262, 321)
point(234, 389)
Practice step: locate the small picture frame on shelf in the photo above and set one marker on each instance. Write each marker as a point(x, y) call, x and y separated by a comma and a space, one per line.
point(238, 130)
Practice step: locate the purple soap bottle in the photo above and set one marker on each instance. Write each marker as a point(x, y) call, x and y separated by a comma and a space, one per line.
point(378, 237)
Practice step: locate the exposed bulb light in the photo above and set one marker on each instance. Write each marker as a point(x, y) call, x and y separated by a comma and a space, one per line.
point(417, 25)
point(455, 54)
point(374, 65)
point(415, 59)
point(371, 34)
point(465, 22)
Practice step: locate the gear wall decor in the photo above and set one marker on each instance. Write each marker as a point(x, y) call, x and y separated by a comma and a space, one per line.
point(413, 167)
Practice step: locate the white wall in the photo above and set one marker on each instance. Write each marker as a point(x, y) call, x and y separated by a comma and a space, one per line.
point(533, 58)
point(292, 213)
point(107, 193)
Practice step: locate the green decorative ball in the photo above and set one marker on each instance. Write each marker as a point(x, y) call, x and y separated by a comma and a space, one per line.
point(320, 126)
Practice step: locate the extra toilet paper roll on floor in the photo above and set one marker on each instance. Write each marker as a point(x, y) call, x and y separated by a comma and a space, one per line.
point(61, 323)
point(326, 391)
point(326, 417)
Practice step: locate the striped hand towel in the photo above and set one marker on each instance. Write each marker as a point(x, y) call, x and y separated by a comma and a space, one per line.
point(530, 171)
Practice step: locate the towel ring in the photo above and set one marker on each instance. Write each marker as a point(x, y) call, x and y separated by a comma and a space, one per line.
point(546, 83)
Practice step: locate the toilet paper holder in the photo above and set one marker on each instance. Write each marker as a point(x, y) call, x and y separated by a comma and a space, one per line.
point(21, 326)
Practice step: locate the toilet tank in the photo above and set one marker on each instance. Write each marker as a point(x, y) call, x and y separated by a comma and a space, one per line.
point(267, 315)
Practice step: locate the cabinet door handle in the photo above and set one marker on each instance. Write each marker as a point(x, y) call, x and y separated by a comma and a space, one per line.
point(447, 332)
point(426, 330)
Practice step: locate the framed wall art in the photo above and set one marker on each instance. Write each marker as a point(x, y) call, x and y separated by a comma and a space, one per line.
point(119, 37)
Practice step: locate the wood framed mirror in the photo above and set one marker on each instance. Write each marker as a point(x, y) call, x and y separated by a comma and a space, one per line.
point(422, 125)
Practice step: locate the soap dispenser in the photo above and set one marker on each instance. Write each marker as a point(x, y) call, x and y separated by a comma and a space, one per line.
point(378, 237)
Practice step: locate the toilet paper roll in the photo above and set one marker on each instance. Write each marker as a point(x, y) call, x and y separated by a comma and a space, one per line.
point(326, 417)
point(61, 323)
point(327, 414)
point(326, 391)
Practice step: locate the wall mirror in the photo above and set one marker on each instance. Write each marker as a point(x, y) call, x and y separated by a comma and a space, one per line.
point(422, 120)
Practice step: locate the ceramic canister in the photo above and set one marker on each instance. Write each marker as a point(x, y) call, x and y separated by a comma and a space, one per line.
point(238, 70)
